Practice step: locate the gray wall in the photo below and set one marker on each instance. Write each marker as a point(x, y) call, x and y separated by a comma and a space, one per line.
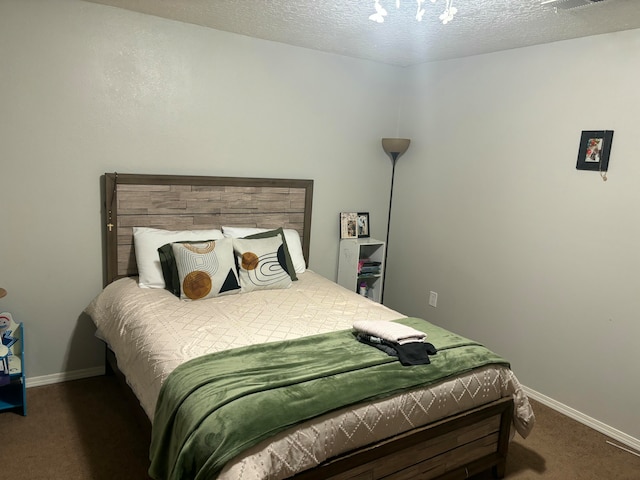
point(87, 89)
point(530, 256)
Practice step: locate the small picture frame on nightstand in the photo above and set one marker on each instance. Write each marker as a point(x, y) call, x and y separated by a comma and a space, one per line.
point(363, 224)
point(348, 225)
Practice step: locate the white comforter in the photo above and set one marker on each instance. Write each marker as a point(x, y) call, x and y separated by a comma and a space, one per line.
point(152, 332)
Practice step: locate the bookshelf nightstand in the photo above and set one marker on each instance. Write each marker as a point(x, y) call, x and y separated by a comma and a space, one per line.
point(361, 266)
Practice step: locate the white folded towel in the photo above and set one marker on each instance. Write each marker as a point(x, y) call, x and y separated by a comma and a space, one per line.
point(390, 331)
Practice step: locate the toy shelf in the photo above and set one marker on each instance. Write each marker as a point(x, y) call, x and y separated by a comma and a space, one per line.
point(13, 395)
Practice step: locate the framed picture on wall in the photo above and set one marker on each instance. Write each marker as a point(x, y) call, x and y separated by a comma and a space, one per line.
point(348, 225)
point(595, 147)
point(363, 224)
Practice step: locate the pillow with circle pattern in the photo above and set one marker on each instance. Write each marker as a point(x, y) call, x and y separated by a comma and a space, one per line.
point(206, 269)
point(292, 240)
point(288, 263)
point(169, 267)
point(261, 263)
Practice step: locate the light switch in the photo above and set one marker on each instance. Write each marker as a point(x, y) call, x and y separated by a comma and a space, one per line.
point(433, 299)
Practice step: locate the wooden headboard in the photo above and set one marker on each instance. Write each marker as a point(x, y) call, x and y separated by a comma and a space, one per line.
point(178, 202)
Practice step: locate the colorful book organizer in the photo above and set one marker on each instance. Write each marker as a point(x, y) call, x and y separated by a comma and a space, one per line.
point(12, 379)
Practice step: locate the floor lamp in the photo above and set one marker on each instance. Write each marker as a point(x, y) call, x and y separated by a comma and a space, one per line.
point(394, 147)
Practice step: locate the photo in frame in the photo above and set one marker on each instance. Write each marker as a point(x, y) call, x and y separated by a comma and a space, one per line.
point(348, 225)
point(595, 147)
point(363, 224)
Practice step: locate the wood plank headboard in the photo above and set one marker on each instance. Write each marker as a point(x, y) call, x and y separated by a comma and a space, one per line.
point(178, 202)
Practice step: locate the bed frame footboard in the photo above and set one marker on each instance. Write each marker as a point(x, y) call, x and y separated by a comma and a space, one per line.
point(456, 447)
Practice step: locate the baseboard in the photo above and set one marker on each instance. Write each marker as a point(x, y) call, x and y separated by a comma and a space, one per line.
point(64, 377)
point(603, 428)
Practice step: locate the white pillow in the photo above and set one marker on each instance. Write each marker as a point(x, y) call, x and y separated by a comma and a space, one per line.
point(291, 236)
point(147, 241)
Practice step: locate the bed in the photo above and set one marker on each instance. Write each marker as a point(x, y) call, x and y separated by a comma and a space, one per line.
point(452, 428)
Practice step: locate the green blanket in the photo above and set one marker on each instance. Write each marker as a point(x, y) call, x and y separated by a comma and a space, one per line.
point(213, 407)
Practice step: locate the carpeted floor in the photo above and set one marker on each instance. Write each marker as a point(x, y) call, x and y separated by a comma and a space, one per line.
point(560, 448)
point(78, 430)
point(85, 430)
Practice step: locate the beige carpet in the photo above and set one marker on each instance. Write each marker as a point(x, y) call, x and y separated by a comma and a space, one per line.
point(562, 449)
point(85, 430)
point(77, 430)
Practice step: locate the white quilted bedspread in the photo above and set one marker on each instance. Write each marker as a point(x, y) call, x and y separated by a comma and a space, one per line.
point(152, 332)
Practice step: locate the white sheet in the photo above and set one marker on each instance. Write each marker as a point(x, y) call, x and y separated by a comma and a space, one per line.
point(152, 332)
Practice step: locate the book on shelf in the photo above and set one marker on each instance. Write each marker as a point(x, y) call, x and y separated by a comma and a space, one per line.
point(371, 269)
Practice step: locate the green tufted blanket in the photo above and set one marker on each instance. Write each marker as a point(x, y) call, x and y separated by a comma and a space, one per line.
point(213, 407)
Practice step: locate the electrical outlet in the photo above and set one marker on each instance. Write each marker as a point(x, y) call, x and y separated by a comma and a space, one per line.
point(433, 299)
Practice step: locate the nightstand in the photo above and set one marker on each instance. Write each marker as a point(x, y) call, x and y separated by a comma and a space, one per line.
point(361, 266)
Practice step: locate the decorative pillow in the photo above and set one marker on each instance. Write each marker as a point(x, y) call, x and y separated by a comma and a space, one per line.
point(292, 238)
point(147, 241)
point(170, 269)
point(259, 266)
point(206, 269)
point(286, 262)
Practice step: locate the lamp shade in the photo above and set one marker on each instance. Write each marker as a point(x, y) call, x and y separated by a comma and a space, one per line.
point(3, 292)
point(394, 147)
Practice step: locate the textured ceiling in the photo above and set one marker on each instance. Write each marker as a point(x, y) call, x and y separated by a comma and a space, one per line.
point(343, 27)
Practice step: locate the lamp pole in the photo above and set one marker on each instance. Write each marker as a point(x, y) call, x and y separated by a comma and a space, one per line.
point(394, 147)
point(394, 158)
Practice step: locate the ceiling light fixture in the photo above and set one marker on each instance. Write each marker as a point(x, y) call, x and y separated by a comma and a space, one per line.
point(445, 17)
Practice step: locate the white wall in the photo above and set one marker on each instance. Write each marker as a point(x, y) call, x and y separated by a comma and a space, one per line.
point(87, 89)
point(535, 259)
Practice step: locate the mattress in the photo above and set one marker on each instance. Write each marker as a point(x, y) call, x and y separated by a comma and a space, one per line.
point(152, 332)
